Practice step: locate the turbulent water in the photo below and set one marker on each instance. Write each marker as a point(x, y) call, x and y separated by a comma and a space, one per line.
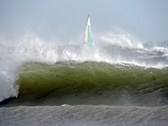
point(98, 86)
point(84, 116)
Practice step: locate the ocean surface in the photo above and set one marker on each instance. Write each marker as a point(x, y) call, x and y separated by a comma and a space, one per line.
point(120, 82)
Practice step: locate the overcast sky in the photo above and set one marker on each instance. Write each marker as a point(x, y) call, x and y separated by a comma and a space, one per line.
point(146, 19)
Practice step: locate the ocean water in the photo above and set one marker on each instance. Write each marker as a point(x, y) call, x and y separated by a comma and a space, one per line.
point(121, 81)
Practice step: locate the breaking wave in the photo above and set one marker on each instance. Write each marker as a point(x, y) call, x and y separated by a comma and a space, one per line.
point(115, 49)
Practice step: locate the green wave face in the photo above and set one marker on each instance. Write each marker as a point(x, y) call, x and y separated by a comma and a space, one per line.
point(91, 83)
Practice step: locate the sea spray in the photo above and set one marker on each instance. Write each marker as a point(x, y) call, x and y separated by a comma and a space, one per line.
point(121, 39)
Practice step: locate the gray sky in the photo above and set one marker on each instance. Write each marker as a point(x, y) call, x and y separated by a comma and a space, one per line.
point(146, 19)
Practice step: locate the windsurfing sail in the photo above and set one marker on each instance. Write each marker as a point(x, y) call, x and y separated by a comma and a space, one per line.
point(88, 34)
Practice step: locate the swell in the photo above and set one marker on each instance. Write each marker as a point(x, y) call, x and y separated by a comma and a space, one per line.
point(91, 83)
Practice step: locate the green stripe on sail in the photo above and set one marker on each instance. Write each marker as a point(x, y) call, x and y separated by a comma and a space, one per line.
point(90, 39)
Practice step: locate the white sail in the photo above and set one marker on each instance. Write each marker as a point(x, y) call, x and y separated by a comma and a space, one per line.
point(88, 34)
